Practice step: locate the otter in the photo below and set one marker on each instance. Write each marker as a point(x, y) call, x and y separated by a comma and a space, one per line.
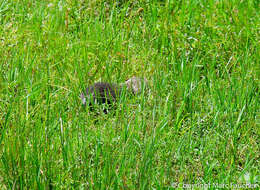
point(108, 93)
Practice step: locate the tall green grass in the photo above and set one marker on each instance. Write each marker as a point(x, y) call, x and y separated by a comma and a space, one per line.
point(198, 124)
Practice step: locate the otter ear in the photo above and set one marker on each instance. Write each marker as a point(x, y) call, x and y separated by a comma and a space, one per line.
point(83, 99)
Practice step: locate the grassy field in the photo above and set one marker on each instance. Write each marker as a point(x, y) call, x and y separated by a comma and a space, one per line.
point(198, 124)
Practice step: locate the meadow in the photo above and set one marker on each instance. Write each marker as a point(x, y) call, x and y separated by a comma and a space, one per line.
point(197, 124)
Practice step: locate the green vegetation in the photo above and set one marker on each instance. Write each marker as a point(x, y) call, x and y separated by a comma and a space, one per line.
point(199, 122)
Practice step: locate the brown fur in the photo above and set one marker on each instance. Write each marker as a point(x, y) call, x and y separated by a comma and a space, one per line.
point(107, 93)
point(101, 93)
